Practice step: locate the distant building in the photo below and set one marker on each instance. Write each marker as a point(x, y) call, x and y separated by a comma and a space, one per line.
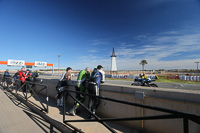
point(113, 62)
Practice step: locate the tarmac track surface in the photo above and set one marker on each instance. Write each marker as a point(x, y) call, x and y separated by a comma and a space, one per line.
point(161, 85)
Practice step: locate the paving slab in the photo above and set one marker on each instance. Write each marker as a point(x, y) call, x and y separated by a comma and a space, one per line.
point(89, 127)
point(19, 118)
point(13, 119)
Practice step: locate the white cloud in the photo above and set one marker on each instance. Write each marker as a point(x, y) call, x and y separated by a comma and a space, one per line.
point(158, 47)
point(92, 51)
point(133, 64)
point(163, 46)
point(99, 42)
point(153, 49)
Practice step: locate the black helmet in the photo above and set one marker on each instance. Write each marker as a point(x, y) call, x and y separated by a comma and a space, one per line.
point(99, 67)
point(68, 68)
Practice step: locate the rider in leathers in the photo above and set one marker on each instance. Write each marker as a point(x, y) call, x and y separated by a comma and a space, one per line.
point(97, 77)
point(84, 75)
point(61, 84)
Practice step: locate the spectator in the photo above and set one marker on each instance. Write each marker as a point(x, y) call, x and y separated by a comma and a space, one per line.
point(6, 74)
point(83, 76)
point(17, 83)
point(29, 76)
point(35, 74)
point(16, 76)
point(22, 78)
point(6, 77)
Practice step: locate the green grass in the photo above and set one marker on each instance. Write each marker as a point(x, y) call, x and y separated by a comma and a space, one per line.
point(177, 81)
point(163, 79)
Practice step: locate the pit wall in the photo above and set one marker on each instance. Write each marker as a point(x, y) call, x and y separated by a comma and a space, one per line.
point(180, 100)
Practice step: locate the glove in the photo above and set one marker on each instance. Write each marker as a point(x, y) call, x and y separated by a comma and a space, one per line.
point(57, 87)
point(59, 91)
point(78, 85)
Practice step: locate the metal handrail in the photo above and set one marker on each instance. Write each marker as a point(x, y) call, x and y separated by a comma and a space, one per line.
point(173, 114)
point(34, 93)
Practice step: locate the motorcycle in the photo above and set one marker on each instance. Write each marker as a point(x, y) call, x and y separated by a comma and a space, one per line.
point(144, 82)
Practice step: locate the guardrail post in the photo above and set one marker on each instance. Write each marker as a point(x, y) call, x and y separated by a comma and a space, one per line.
point(47, 99)
point(185, 125)
point(64, 102)
point(26, 87)
point(7, 83)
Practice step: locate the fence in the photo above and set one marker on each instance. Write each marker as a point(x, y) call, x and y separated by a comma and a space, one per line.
point(27, 87)
point(171, 114)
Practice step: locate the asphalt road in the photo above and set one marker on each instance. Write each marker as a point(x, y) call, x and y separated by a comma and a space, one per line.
point(161, 85)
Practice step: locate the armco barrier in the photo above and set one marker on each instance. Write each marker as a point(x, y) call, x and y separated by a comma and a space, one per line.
point(180, 100)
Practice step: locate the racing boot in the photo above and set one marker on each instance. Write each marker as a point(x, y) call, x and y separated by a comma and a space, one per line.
point(58, 102)
point(73, 110)
point(61, 102)
point(91, 116)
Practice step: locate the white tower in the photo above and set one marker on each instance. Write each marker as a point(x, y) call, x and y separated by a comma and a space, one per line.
point(113, 63)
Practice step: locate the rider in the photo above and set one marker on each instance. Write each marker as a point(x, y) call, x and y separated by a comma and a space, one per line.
point(84, 75)
point(97, 77)
point(63, 82)
point(143, 78)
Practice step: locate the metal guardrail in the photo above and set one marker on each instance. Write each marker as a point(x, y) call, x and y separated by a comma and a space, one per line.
point(172, 114)
point(60, 126)
point(28, 89)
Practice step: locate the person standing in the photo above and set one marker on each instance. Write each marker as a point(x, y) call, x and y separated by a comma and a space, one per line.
point(22, 77)
point(29, 75)
point(66, 76)
point(5, 77)
point(16, 76)
point(6, 74)
point(97, 77)
point(35, 74)
point(84, 75)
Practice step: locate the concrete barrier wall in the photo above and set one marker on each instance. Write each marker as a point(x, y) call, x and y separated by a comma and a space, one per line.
point(180, 100)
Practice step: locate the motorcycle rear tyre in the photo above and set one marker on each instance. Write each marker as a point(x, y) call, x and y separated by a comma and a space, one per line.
point(153, 85)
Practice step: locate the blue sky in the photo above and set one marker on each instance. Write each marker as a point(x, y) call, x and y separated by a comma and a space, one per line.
point(166, 33)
